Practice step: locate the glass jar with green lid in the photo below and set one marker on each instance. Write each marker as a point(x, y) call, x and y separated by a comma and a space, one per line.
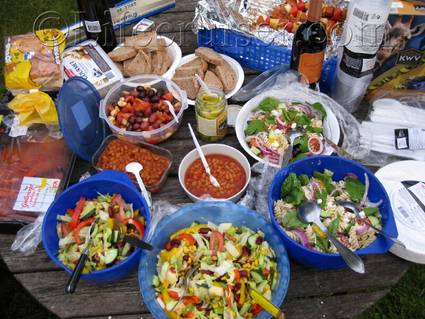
point(211, 115)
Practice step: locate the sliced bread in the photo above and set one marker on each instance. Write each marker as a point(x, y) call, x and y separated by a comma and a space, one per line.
point(145, 40)
point(122, 53)
point(226, 75)
point(213, 81)
point(188, 84)
point(140, 64)
point(209, 55)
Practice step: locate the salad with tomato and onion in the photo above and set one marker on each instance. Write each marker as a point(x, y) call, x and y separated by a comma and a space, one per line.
point(271, 124)
point(230, 262)
point(113, 219)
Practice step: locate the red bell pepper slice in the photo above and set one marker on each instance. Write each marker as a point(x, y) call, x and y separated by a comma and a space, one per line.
point(237, 275)
point(65, 229)
point(189, 238)
point(256, 309)
point(81, 225)
point(191, 300)
point(229, 296)
point(173, 294)
point(138, 224)
point(77, 212)
point(216, 242)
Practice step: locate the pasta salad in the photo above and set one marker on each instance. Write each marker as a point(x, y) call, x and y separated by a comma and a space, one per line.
point(353, 232)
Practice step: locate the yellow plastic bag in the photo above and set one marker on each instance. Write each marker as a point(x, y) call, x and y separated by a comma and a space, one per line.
point(33, 61)
point(35, 107)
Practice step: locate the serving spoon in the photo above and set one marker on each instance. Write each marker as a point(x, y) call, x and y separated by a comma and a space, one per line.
point(135, 168)
point(353, 208)
point(171, 109)
point(204, 86)
point(213, 180)
point(309, 212)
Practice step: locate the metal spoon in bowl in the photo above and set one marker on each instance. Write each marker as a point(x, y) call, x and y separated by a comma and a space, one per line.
point(213, 180)
point(286, 157)
point(309, 212)
point(353, 208)
point(135, 168)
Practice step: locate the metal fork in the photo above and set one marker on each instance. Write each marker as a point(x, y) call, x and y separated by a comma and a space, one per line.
point(186, 280)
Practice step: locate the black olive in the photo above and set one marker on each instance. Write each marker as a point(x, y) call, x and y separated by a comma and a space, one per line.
point(159, 93)
point(140, 88)
point(151, 93)
point(155, 99)
point(142, 94)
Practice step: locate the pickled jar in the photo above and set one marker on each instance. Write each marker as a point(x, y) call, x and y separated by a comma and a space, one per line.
point(211, 115)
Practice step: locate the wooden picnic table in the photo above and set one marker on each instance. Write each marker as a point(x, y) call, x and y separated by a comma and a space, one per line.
point(312, 293)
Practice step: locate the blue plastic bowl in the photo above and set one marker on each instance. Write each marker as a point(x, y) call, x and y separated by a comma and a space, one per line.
point(340, 167)
point(111, 182)
point(215, 212)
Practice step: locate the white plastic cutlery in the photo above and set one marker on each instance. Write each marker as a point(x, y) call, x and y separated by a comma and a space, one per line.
point(213, 180)
point(171, 109)
point(135, 168)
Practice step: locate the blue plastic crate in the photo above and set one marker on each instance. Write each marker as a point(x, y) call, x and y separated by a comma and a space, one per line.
point(253, 53)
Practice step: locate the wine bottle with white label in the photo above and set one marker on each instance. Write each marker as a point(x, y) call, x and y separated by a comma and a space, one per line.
point(363, 33)
point(97, 21)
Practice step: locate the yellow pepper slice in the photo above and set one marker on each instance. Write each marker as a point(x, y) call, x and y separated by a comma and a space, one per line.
point(191, 230)
point(318, 231)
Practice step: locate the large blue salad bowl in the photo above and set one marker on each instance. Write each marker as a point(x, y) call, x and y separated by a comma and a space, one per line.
point(215, 212)
point(340, 167)
point(106, 182)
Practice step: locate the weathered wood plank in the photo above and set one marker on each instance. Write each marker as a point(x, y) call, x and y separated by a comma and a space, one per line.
point(124, 298)
point(335, 307)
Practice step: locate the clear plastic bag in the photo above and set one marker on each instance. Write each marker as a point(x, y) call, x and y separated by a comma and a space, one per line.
point(387, 114)
point(28, 237)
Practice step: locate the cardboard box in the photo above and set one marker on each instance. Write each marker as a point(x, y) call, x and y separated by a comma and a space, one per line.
point(126, 12)
point(401, 58)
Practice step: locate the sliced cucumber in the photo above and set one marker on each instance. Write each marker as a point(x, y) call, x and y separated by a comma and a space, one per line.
point(245, 308)
point(252, 241)
point(255, 150)
point(125, 249)
point(88, 210)
point(111, 255)
point(374, 220)
point(115, 235)
point(256, 276)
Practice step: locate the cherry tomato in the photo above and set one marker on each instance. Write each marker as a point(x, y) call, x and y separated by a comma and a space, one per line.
point(173, 294)
point(216, 241)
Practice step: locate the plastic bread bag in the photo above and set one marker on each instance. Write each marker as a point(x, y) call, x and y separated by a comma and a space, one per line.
point(33, 61)
point(395, 127)
point(288, 86)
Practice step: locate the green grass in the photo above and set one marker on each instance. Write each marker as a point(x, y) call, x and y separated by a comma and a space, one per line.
point(405, 301)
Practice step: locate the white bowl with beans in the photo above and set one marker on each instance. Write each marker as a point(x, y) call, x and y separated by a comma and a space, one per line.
point(227, 164)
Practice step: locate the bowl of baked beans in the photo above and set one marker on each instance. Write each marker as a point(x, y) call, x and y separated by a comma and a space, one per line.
point(115, 153)
point(229, 166)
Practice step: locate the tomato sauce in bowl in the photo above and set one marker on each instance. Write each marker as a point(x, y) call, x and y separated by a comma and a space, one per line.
point(228, 171)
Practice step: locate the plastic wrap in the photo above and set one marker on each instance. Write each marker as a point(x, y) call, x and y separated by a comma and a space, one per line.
point(388, 114)
point(33, 61)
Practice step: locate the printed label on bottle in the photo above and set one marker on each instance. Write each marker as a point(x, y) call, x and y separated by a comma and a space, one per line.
point(211, 128)
point(357, 64)
point(364, 30)
point(93, 26)
point(310, 66)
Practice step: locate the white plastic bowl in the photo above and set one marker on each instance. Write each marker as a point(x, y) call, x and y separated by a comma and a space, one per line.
point(331, 127)
point(215, 149)
point(175, 54)
point(240, 74)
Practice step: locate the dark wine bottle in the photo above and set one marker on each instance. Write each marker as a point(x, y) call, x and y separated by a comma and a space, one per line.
point(308, 47)
point(97, 21)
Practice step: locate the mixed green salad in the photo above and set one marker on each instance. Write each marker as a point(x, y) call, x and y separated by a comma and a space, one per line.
point(230, 261)
point(108, 219)
point(273, 121)
point(351, 231)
